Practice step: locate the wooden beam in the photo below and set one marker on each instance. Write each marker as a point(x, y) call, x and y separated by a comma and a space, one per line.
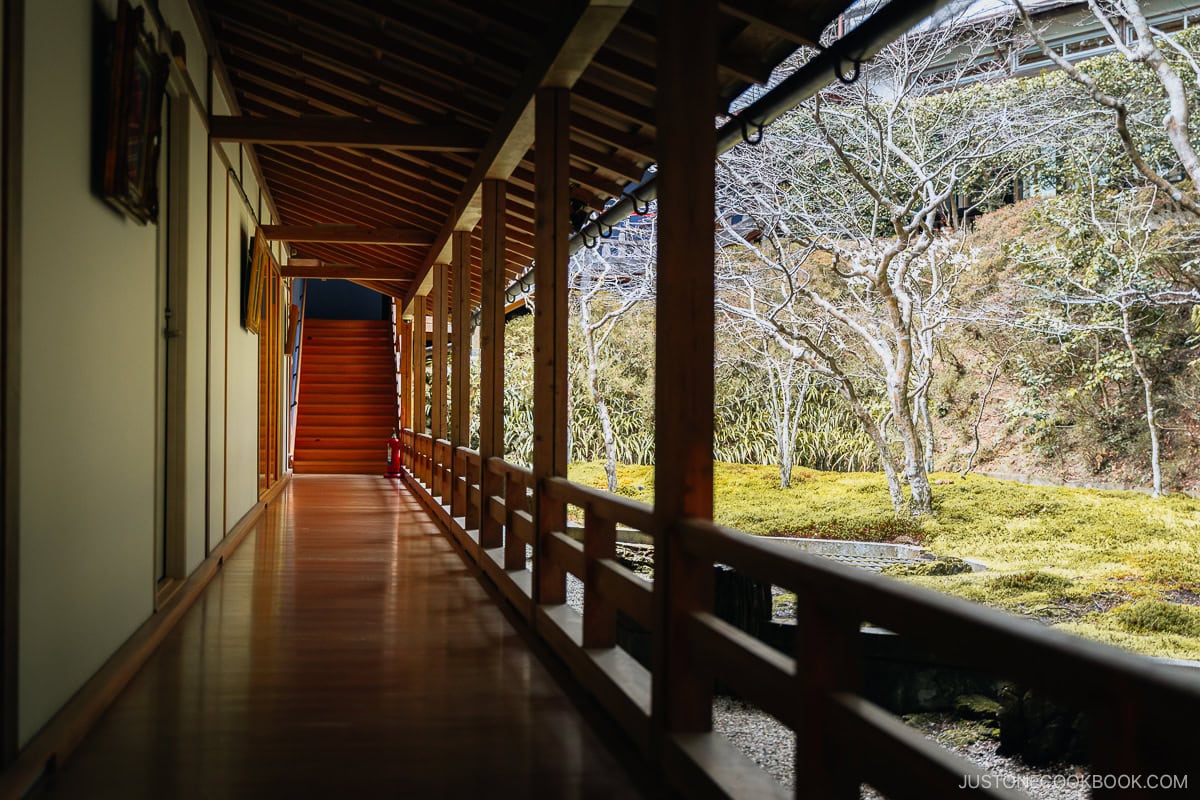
point(416, 384)
point(569, 44)
point(683, 431)
point(438, 390)
point(343, 132)
point(460, 389)
point(405, 369)
point(12, 98)
point(491, 345)
point(552, 229)
point(798, 24)
point(348, 272)
point(347, 234)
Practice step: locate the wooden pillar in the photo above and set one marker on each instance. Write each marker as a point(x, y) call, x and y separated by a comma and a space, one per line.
point(491, 345)
point(683, 440)
point(460, 387)
point(405, 370)
point(417, 383)
point(552, 228)
point(438, 388)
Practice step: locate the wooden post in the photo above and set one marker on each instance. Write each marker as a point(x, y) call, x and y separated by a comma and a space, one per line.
point(552, 228)
point(599, 616)
point(405, 369)
point(491, 345)
point(827, 663)
point(438, 389)
point(683, 440)
point(460, 388)
point(417, 384)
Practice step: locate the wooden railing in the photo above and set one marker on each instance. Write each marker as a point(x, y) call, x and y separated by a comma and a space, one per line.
point(1140, 713)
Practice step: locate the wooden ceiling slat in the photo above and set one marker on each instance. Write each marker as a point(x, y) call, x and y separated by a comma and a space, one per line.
point(573, 37)
point(376, 184)
point(346, 202)
point(437, 36)
point(606, 133)
point(801, 23)
point(412, 184)
point(342, 132)
point(305, 181)
point(610, 162)
point(343, 272)
point(347, 234)
point(410, 77)
point(297, 73)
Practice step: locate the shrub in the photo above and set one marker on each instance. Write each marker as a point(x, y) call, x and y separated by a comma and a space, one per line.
point(1158, 616)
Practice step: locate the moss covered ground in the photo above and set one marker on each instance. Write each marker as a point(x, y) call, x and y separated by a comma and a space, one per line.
point(1119, 567)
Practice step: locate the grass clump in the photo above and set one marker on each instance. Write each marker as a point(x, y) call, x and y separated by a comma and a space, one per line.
point(1031, 581)
point(943, 565)
point(1158, 616)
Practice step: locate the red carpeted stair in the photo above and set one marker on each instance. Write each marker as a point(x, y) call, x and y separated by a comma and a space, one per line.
point(347, 404)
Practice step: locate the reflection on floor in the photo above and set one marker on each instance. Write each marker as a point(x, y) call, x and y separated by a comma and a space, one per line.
point(343, 651)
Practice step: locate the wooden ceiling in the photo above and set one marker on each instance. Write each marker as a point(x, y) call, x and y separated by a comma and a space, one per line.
point(382, 117)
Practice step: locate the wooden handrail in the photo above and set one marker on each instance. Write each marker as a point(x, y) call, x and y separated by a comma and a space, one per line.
point(621, 510)
point(948, 626)
point(1131, 701)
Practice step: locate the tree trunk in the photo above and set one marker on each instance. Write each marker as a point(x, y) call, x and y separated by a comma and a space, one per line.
point(927, 429)
point(921, 502)
point(895, 490)
point(1148, 398)
point(783, 451)
point(610, 443)
point(606, 430)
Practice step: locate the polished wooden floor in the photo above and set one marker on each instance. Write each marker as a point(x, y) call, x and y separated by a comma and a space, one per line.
point(344, 650)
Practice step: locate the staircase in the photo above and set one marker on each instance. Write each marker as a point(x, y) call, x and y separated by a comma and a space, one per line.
point(347, 398)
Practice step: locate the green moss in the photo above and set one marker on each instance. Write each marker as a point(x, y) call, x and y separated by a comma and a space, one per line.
point(942, 565)
point(976, 706)
point(1030, 581)
point(1066, 556)
point(1158, 616)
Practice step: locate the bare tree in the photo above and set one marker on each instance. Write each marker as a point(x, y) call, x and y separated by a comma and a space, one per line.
point(609, 278)
point(1153, 50)
point(1106, 274)
point(839, 218)
point(779, 379)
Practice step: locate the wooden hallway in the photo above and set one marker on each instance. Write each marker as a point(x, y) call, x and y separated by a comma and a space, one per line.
point(344, 650)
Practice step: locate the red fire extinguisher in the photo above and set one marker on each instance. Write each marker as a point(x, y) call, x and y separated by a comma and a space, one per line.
point(393, 456)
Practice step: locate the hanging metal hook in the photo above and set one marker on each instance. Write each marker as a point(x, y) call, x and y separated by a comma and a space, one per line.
point(853, 76)
point(755, 140)
point(589, 242)
point(605, 230)
point(642, 209)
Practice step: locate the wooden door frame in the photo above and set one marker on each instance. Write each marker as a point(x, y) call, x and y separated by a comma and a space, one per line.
point(12, 21)
point(171, 433)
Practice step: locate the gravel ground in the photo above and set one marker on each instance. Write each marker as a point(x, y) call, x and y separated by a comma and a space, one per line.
point(772, 746)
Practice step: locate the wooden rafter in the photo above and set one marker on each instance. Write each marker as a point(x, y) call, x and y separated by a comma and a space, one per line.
point(346, 234)
point(343, 132)
point(345, 271)
point(574, 37)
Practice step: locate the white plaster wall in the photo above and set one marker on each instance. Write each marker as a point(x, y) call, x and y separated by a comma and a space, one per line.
point(88, 370)
point(241, 478)
point(194, 342)
point(216, 359)
point(87, 385)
